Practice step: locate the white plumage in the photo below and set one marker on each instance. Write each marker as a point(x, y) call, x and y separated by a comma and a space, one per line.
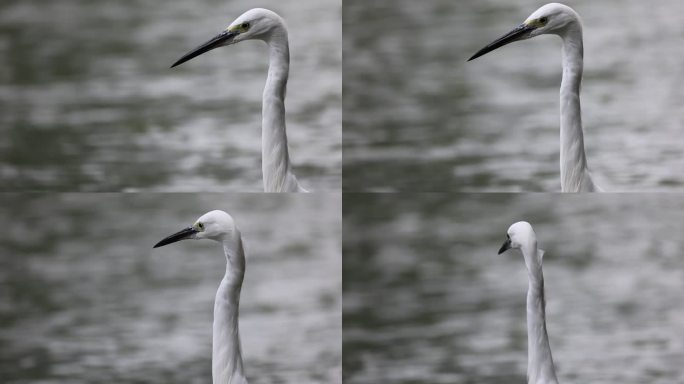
point(540, 369)
point(268, 26)
point(226, 357)
point(563, 21)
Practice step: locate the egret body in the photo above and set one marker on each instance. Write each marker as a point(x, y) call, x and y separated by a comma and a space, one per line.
point(561, 20)
point(268, 26)
point(540, 369)
point(226, 356)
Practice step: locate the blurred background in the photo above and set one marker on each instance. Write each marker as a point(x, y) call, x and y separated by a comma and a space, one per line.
point(428, 300)
point(85, 299)
point(418, 117)
point(88, 102)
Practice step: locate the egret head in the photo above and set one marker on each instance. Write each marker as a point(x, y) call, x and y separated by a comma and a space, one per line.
point(553, 18)
point(214, 225)
point(255, 24)
point(519, 235)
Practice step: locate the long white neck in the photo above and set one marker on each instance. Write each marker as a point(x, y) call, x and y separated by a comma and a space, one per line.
point(575, 176)
point(226, 358)
point(540, 369)
point(275, 159)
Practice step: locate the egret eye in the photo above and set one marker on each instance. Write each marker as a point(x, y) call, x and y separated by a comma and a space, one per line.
point(544, 20)
point(200, 226)
point(244, 26)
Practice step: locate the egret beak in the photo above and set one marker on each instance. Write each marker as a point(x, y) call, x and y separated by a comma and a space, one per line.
point(519, 33)
point(505, 247)
point(183, 234)
point(223, 38)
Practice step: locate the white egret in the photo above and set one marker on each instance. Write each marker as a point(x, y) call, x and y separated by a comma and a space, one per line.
point(540, 369)
point(226, 356)
point(561, 20)
point(268, 26)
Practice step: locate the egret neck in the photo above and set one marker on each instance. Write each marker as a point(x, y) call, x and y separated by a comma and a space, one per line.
point(540, 367)
point(275, 166)
point(226, 358)
point(575, 176)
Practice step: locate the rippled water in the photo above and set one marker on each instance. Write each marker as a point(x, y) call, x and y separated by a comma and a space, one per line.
point(85, 299)
point(88, 102)
point(417, 117)
point(428, 300)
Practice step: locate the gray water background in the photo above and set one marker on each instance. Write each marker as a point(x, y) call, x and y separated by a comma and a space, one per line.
point(85, 299)
point(428, 300)
point(88, 102)
point(418, 117)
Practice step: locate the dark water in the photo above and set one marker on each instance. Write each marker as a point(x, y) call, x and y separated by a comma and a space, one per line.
point(428, 300)
point(85, 299)
point(88, 102)
point(417, 117)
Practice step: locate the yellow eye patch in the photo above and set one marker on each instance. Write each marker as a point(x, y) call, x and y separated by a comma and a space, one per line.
point(537, 23)
point(240, 28)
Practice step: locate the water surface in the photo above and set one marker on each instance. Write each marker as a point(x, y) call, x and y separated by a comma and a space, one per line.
point(418, 117)
point(88, 102)
point(428, 300)
point(85, 299)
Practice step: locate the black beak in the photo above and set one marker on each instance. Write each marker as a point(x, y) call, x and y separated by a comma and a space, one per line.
point(178, 236)
point(517, 34)
point(505, 247)
point(219, 40)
